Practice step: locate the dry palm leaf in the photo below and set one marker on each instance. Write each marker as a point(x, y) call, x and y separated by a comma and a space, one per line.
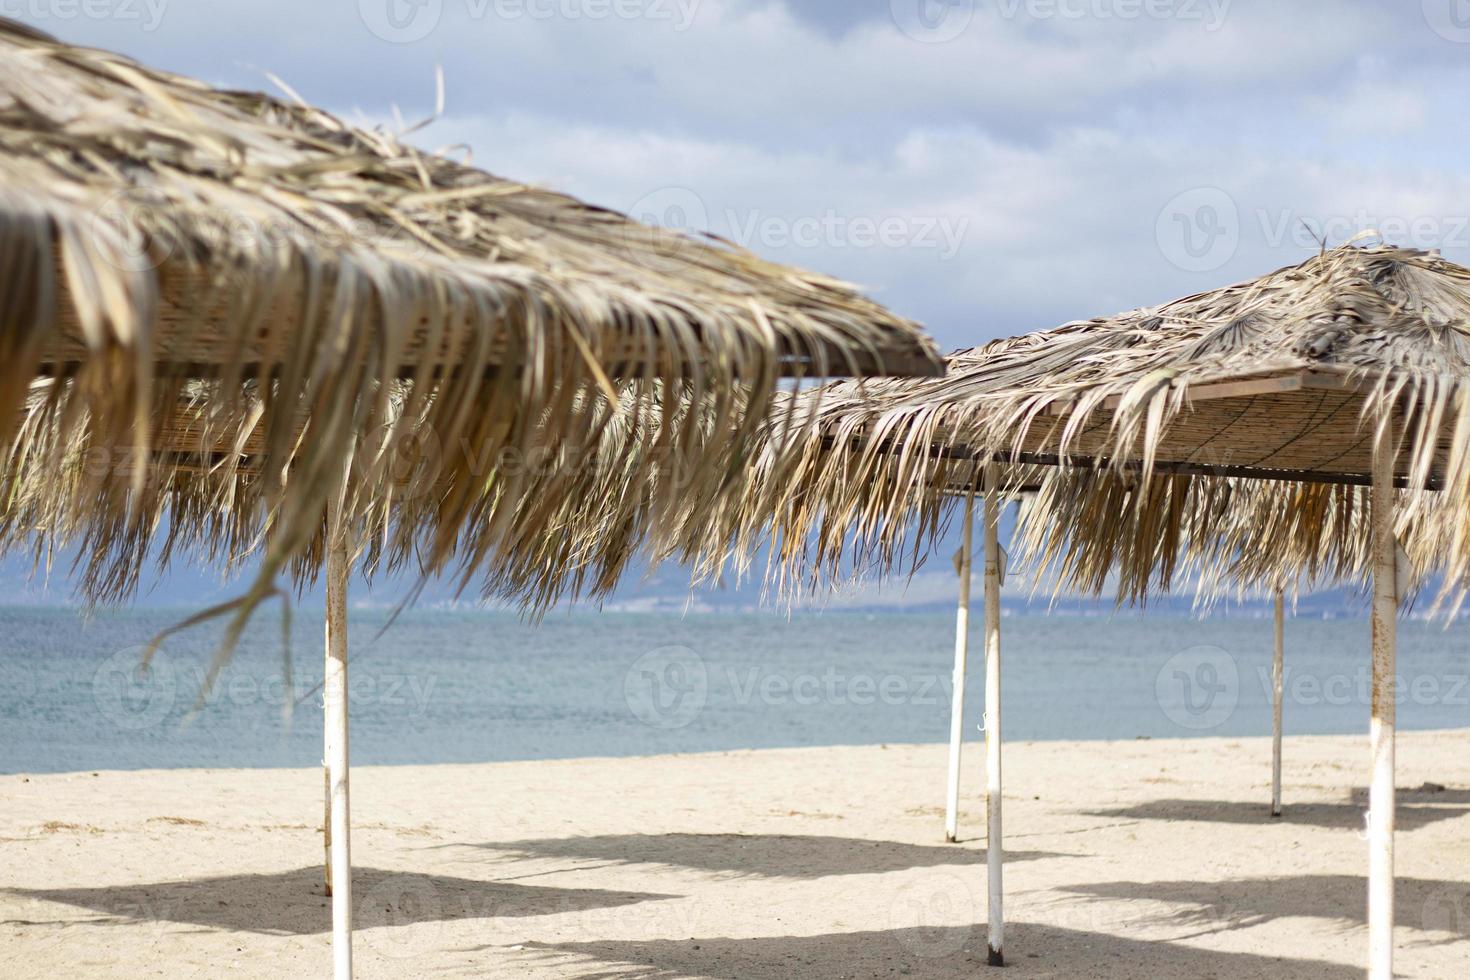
point(1229, 432)
point(241, 307)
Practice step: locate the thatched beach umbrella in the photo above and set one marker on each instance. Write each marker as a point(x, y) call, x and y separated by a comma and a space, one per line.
point(326, 294)
point(1341, 381)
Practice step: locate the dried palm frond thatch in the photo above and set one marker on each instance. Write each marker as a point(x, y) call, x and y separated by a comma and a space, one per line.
point(324, 296)
point(574, 526)
point(1215, 536)
point(1165, 420)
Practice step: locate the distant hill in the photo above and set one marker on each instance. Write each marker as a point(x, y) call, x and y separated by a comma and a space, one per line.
point(665, 589)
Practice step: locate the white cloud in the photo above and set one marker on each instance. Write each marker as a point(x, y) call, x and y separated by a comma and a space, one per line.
point(1010, 178)
point(1373, 107)
point(994, 235)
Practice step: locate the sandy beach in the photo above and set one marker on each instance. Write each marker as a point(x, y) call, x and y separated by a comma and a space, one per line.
point(1125, 859)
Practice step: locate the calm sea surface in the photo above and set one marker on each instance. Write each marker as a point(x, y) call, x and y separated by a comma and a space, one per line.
point(480, 686)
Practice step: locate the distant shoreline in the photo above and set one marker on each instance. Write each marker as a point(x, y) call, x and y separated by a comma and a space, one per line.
point(1463, 730)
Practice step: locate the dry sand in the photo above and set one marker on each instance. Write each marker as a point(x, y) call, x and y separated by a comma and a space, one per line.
point(1127, 859)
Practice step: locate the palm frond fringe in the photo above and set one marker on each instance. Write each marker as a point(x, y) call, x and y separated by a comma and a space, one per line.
point(223, 309)
point(1223, 437)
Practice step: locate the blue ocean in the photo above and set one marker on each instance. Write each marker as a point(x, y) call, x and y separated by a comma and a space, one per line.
point(473, 686)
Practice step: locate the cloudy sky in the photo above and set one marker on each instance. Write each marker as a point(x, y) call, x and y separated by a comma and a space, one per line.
point(985, 166)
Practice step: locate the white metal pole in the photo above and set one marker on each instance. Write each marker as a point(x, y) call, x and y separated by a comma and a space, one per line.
point(327, 741)
point(1381, 815)
point(334, 700)
point(1278, 691)
point(957, 698)
point(994, 850)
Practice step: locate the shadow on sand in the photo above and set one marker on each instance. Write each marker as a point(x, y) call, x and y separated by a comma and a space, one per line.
point(948, 953)
point(1435, 906)
point(1427, 793)
point(765, 855)
point(1334, 815)
point(294, 903)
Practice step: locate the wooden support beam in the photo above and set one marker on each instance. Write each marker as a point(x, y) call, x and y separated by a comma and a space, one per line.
point(1161, 467)
point(1274, 384)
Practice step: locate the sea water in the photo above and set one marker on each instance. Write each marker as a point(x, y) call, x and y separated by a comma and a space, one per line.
point(456, 686)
